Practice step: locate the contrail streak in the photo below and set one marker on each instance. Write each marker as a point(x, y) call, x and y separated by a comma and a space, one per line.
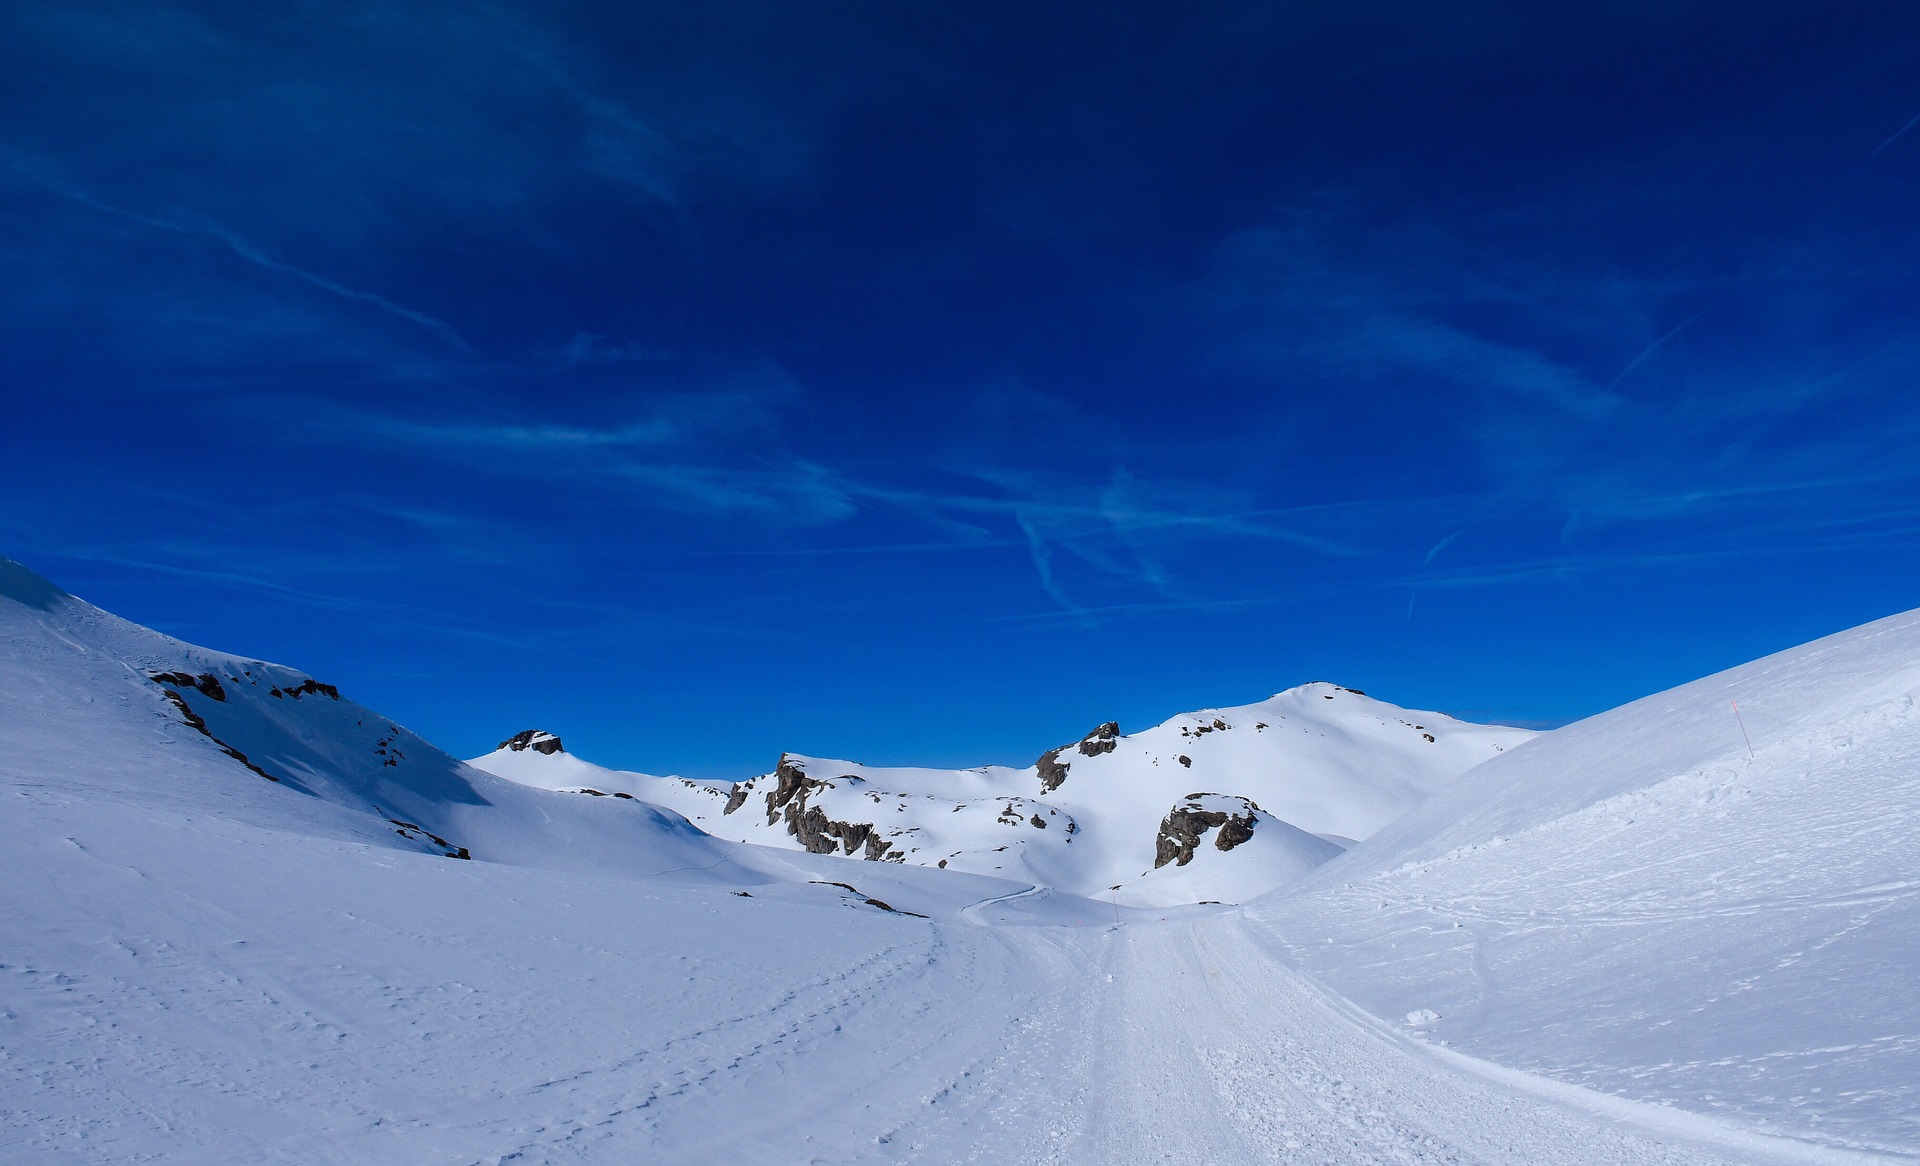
point(1650, 349)
point(239, 246)
point(1897, 135)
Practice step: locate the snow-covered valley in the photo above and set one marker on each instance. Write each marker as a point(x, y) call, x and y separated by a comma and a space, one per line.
point(247, 920)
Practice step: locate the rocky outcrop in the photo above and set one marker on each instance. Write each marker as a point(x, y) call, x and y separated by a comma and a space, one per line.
point(537, 740)
point(310, 687)
point(793, 783)
point(413, 833)
point(815, 831)
point(737, 798)
point(1053, 771)
point(1101, 740)
point(206, 682)
point(196, 722)
point(1186, 825)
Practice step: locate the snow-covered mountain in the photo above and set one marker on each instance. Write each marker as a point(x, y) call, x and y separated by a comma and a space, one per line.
point(246, 919)
point(1220, 804)
point(125, 713)
point(1710, 897)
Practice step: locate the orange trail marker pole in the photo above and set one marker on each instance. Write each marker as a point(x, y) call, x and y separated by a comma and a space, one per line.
point(1743, 729)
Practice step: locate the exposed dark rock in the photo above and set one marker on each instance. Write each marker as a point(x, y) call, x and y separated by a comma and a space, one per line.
point(1186, 761)
point(1235, 830)
point(186, 712)
point(193, 719)
point(308, 687)
point(1038, 821)
point(818, 833)
point(1053, 771)
point(537, 740)
point(869, 902)
point(737, 798)
point(1185, 825)
point(626, 796)
point(1101, 740)
point(206, 682)
point(593, 793)
point(407, 830)
point(793, 783)
point(1428, 736)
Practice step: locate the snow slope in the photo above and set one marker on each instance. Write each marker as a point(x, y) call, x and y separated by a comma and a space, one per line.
point(1312, 769)
point(540, 759)
point(1638, 904)
point(168, 726)
point(198, 964)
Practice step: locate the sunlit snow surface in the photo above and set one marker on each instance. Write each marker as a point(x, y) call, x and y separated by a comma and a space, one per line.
point(198, 964)
point(1318, 762)
point(1637, 904)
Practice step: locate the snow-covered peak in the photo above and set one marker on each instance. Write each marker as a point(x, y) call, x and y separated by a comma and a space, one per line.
point(1319, 764)
point(538, 740)
point(536, 758)
point(28, 588)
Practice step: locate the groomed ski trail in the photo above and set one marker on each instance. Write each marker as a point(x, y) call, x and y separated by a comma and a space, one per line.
point(1211, 1050)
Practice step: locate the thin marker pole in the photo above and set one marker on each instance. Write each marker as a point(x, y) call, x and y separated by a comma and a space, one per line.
point(1743, 729)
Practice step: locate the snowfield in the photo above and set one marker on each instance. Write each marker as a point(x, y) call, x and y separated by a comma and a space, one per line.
point(238, 928)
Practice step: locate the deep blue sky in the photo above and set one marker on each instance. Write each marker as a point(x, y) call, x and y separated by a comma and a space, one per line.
point(929, 382)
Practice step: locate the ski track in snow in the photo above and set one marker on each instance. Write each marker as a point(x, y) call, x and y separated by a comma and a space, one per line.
point(401, 1008)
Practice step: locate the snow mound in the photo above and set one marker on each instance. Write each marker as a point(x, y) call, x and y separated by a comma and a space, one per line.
point(1192, 863)
point(525, 760)
point(1645, 904)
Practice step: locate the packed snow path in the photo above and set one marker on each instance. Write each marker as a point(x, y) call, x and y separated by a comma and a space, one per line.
point(1211, 1051)
point(195, 991)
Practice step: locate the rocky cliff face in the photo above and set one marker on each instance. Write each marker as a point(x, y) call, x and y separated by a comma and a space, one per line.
point(816, 832)
point(1186, 825)
point(1053, 771)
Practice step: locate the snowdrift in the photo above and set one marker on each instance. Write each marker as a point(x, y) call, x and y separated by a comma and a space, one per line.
point(1640, 904)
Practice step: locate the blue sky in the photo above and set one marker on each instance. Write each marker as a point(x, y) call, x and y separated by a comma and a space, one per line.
point(920, 382)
